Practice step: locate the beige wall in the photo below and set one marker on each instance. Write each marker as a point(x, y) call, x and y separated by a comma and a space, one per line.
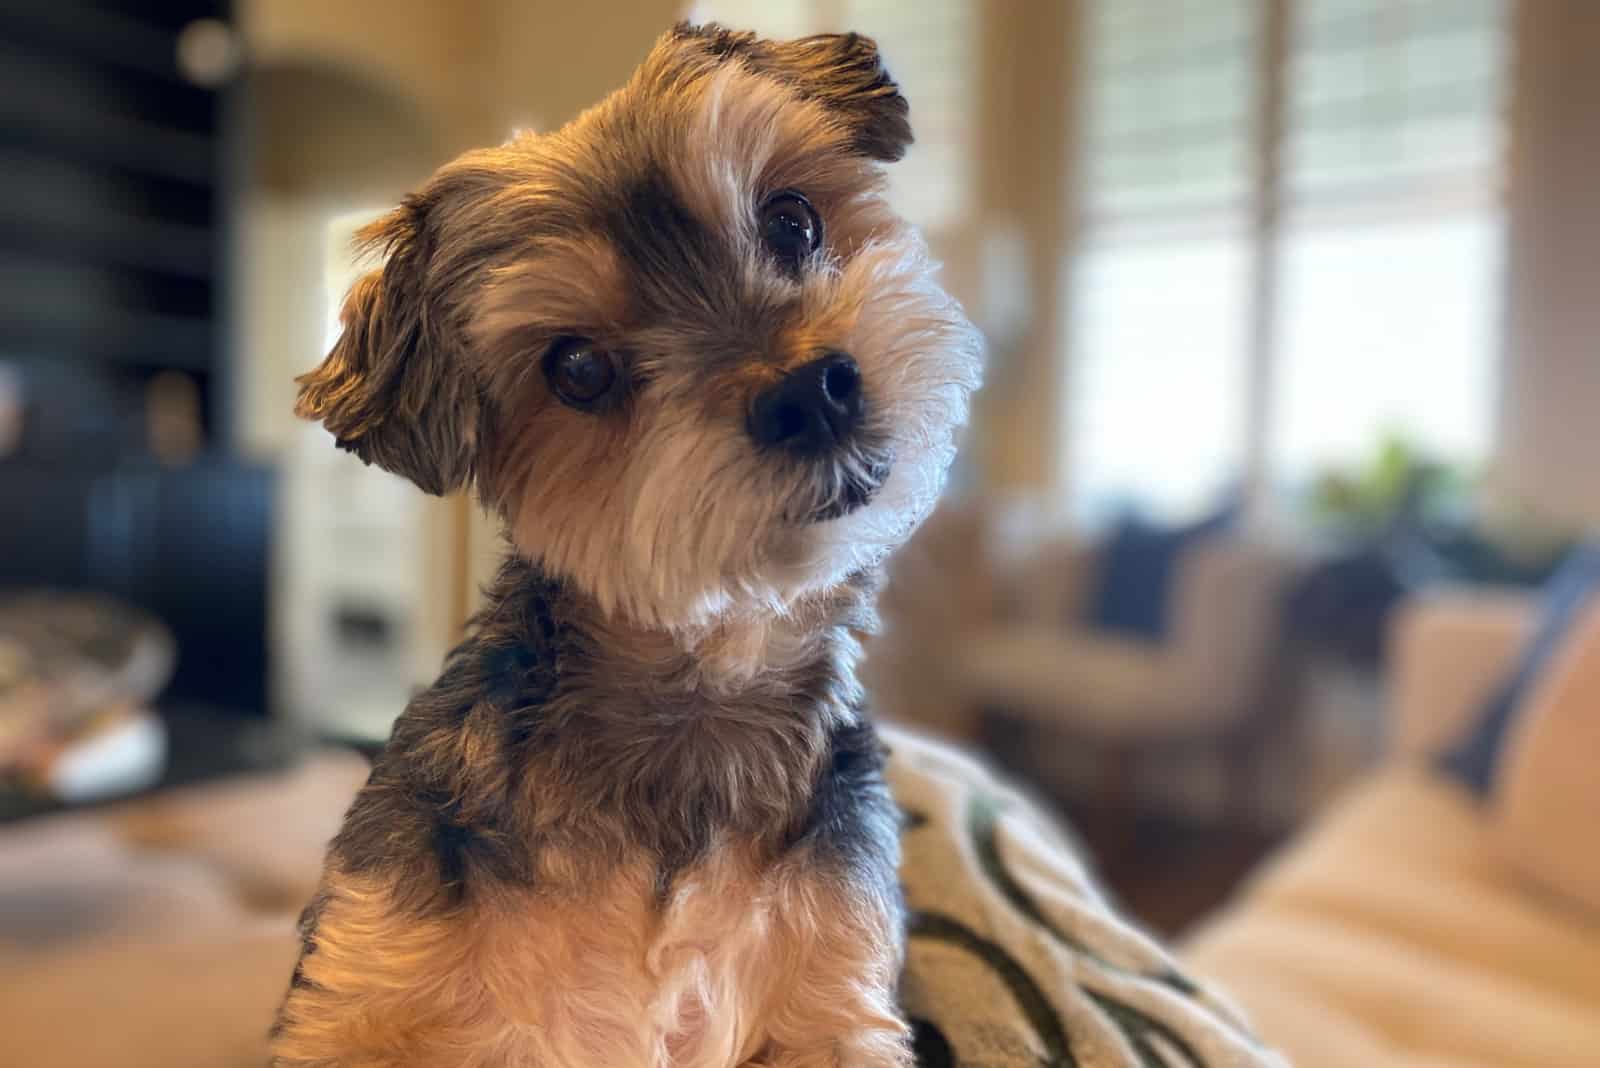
point(1026, 133)
point(1550, 427)
point(417, 49)
point(474, 67)
point(552, 60)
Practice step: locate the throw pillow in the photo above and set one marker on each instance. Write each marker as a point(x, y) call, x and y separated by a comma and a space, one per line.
point(1138, 568)
point(1569, 592)
point(1547, 795)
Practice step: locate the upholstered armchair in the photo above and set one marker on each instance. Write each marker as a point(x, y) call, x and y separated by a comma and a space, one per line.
point(1209, 683)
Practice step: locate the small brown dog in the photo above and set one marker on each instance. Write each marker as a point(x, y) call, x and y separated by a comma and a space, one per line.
point(706, 375)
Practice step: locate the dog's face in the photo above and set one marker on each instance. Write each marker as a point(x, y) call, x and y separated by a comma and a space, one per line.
point(682, 344)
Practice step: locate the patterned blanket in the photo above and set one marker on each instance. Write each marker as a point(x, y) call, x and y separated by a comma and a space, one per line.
point(1015, 956)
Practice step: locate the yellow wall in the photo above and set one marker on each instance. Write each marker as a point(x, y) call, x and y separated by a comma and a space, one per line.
point(475, 67)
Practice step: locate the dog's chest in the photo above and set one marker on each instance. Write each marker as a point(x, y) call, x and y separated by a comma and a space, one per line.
point(617, 976)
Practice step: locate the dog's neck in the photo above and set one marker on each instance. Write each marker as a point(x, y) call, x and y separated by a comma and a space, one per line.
point(715, 660)
point(755, 649)
point(644, 737)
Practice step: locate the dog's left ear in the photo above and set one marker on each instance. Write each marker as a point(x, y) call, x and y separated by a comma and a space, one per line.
point(842, 71)
point(395, 389)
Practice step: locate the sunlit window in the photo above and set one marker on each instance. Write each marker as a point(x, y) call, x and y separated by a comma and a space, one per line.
point(1270, 298)
point(1158, 386)
point(1389, 313)
point(1160, 382)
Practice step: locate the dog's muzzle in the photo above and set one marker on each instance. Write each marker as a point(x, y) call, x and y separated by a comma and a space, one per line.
point(814, 410)
point(815, 414)
point(853, 490)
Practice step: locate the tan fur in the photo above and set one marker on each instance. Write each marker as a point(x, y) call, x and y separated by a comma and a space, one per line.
point(746, 964)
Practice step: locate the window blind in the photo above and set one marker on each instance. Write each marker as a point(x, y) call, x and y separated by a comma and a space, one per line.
point(1361, 299)
point(1170, 93)
point(1392, 233)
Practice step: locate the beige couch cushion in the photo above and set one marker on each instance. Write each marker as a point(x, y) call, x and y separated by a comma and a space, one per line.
point(161, 933)
point(1544, 818)
point(1392, 936)
point(179, 999)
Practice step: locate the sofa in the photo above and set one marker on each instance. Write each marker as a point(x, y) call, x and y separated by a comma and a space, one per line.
point(1417, 924)
point(161, 933)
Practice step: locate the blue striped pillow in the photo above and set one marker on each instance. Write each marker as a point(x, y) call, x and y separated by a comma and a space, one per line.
point(1568, 593)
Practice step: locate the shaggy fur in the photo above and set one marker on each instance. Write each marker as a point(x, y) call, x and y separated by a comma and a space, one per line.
point(640, 818)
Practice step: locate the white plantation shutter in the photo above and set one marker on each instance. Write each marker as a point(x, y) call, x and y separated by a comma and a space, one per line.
point(1247, 299)
point(1170, 92)
point(1158, 381)
point(1158, 385)
point(1396, 99)
point(1392, 231)
point(1386, 329)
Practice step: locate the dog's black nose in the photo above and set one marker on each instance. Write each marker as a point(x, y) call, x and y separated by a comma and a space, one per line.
point(813, 409)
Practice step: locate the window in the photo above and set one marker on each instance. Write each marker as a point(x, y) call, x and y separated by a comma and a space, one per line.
point(1390, 248)
point(1159, 341)
point(1158, 381)
point(1291, 234)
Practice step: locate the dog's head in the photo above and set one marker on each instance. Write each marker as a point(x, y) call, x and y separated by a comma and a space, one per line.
point(682, 344)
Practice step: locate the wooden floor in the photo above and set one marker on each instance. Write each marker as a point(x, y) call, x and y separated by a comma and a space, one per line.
point(1166, 874)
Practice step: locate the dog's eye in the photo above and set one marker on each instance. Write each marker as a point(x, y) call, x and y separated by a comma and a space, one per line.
point(579, 373)
point(790, 228)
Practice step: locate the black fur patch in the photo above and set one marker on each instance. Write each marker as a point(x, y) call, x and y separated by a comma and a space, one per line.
point(852, 816)
point(431, 819)
point(676, 264)
point(654, 232)
point(307, 928)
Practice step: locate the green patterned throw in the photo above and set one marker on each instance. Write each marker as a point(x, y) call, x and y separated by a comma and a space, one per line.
point(1016, 958)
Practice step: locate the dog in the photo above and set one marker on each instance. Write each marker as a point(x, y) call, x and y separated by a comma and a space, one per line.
point(708, 378)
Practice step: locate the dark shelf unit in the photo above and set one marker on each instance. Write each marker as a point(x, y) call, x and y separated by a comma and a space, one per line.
point(116, 180)
point(113, 213)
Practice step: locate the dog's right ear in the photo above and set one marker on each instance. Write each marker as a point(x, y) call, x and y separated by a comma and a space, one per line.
point(843, 72)
point(395, 389)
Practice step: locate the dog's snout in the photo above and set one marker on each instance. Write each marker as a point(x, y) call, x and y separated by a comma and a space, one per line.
point(813, 409)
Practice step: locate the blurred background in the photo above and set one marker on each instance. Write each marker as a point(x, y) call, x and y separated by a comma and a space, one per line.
point(1292, 327)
